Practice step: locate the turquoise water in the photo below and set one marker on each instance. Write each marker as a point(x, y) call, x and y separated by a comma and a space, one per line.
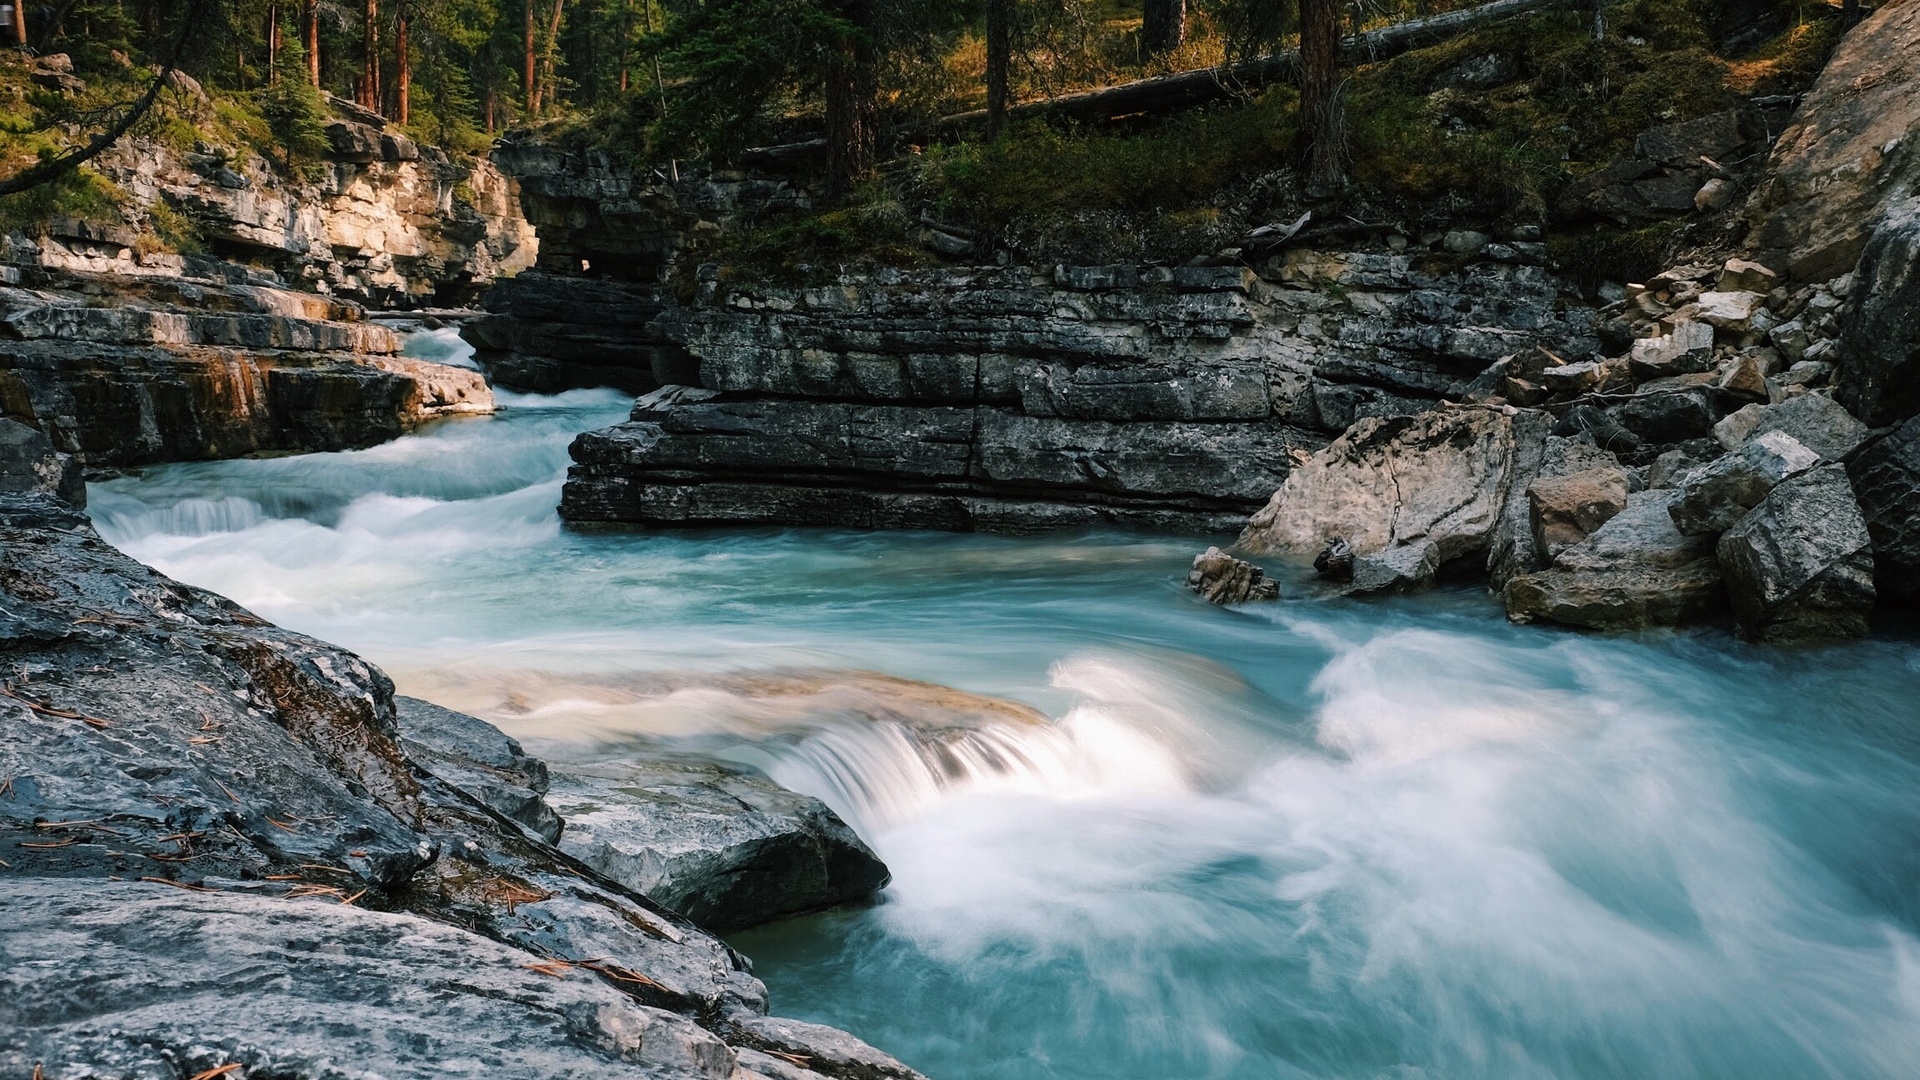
point(1400, 840)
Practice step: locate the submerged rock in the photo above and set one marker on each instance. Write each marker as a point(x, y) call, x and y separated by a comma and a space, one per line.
point(1223, 579)
point(1799, 566)
point(721, 846)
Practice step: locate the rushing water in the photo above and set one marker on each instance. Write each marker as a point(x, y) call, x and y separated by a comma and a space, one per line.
point(1396, 840)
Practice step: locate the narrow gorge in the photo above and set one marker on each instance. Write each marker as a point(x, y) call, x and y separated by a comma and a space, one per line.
point(555, 549)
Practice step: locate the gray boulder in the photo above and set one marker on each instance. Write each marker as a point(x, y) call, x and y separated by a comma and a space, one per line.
point(723, 847)
point(1817, 422)
point(1799, 566)
point(29, 464)
point(1721, 492)
point(1409, 493)
point(1886, 478)
point(1635, 571)
point(1879, 353)
point(478, 758)
point(1223, 579)
point(143, 979)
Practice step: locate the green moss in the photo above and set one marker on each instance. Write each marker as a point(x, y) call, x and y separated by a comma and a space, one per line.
point(82, 194)
point(1615, 254)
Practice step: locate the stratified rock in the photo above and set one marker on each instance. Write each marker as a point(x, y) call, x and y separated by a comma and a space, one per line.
point(28, 464)
point(1800, 565)
point(1563, 510)
point(1850, 147)
point(723, 847)
point(476, 757)
point(1410, 494)
point(1886, 478)
point(1816, 422)
point(1718, 494)
point(1878, 375)
point(1635, 571)
point(1223, 579)
point(137, 979)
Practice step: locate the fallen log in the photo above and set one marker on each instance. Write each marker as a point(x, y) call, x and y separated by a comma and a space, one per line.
point(1188, 89)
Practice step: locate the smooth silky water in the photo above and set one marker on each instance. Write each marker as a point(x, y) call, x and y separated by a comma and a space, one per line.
point(1307, 839)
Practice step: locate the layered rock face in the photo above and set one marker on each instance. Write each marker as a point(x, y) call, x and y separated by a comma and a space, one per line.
point(386, 222)
point(191, 792)
point(214, 363)
point(1009, 400)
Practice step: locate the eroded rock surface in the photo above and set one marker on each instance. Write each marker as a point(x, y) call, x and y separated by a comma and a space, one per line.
point(1636, 570)
point(1223, 579)
point(1800, 565)
point(722, 846)
point(1886, 478)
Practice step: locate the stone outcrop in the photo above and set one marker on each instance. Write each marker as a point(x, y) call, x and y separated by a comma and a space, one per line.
point(1886, 478)
point(127, 371)
point(1409, 494)
point(234, 780)
point(546, 332)
point(1223, 579)
point(1634, 571)
point(30, 465)
point(480, 760)
point(1719, 493)
point(385, 222)
point(723, 847)
point(1878, 366)
point(1853, 148)
point(1008, 400)
point(1800, 565)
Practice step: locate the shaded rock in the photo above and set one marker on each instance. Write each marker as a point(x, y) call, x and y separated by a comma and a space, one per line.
point(1715, 496)
point(1335, 560)
point(28, 464)
point(1850, 148)
point(394, 994)
point(1671, 467)
point(1563, 510)
point(1799, 566)
point(1817, 422)
point(1878, 358)
point(1662, 415)
point(723, 847)
point(1635, 571)
point(1886, 478)
point(1223, 579)
point(1410, 494)
point(1598, 426)
point(476, 757)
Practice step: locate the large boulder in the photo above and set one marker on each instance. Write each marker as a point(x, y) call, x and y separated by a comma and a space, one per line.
point(1408, 493)
point(1799, 566)
point(1886, 478)
point(1816, 422)
point(145, 979)
point(726, 848)
point(1564, 510)
point(1718, 494)
point(1850, 150)
point(481, 760)
point(29, 464)
point(1878, 373)
point(1635, 571)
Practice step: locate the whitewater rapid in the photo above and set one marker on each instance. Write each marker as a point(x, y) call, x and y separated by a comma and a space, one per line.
point(1135, 836)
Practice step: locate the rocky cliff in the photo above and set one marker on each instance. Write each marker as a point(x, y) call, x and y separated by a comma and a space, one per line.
point(225, 845)
point(216, 361)
point(1012, 400)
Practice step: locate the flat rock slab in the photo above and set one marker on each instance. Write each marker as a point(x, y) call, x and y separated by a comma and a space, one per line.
point(136, 979)
point(723, 847)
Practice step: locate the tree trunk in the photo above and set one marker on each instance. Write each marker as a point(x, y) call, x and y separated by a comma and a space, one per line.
point(1320, 106)
point(17, 25)
point(999, 60)
point(851, 106)
point(370, 58)
point(1163, 26)
point(273, 42)
point(533, 95)
point(310, 17)
point(403, 67)
point(549, 86)
point(659, 85)
point(626, 38)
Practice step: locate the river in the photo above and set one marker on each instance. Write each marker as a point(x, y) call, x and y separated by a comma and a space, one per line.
point(1395, 840)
